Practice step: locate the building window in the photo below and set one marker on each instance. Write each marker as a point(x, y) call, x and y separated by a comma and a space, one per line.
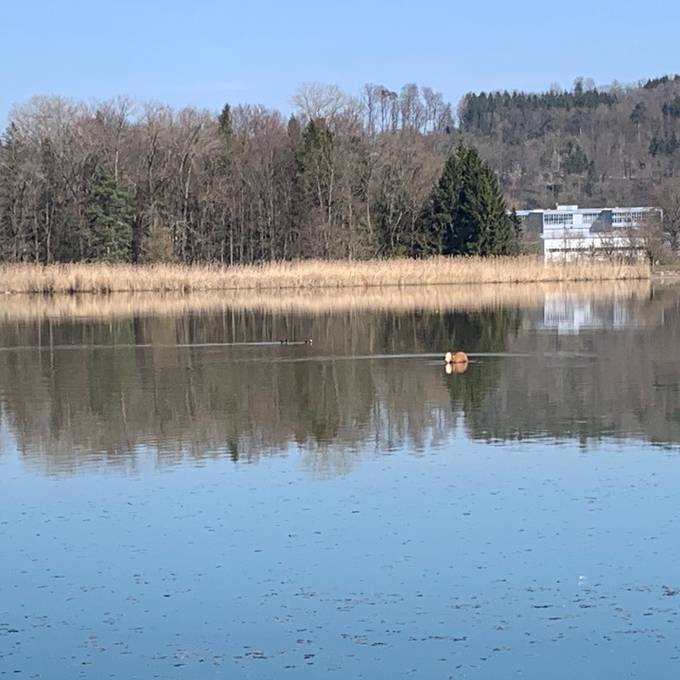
point(628, 218)
point(557, 219)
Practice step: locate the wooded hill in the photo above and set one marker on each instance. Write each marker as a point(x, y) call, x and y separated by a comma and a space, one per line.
point(612, 146)
point(344, 177)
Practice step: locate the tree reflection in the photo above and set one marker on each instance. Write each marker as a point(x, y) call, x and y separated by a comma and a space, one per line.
point(108, 390)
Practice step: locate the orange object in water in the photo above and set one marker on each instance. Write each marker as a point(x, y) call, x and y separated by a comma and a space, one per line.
point(456, 368)
point(456, 358)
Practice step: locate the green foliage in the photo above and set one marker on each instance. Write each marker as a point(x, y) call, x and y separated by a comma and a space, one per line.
point(653, 83)
point(317, 137)
point(225, 135)
point(672, 108)
point(224, 124)
point(107, 228)
point(315, 159)
point(576, 161)
point(443, 218)
point(478, 110)
point(468, 214)
point(664, 146)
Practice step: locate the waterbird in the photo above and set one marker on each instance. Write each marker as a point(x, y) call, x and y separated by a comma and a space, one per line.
point(286, 341)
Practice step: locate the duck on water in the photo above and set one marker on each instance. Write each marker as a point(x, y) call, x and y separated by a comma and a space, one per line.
point(285, 341)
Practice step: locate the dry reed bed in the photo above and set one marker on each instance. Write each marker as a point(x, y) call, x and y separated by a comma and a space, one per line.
point(426, 298)
point(105, 278)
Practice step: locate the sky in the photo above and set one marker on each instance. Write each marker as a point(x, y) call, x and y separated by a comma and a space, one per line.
point(207, 52)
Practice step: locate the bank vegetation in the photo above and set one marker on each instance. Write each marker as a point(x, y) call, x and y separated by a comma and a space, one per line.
point(105, 278)
point(344, 177)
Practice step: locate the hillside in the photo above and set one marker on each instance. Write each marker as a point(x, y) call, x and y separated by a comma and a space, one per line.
point(609, 146)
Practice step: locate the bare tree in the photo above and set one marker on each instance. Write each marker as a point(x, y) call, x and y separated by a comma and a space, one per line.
point(317, 100)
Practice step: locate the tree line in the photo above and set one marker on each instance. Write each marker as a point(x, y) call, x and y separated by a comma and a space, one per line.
point(378, 175)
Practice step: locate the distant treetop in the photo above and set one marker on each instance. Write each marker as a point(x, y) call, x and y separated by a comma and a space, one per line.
point(653, 83)
point(476, 109)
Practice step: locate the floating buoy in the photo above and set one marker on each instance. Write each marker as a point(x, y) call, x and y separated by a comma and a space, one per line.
point(455, 368)
point(456, 358)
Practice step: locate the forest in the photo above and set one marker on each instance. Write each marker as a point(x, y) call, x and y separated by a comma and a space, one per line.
point(342, 177)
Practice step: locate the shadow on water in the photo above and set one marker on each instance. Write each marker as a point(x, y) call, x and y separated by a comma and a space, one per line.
point(217, 381)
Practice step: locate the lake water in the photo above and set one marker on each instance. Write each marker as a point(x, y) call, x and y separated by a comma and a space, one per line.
point(182, 496)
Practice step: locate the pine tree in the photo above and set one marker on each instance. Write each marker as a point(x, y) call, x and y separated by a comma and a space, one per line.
point(108, 219)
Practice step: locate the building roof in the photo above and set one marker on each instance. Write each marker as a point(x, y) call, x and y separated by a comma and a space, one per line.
point(574, 209)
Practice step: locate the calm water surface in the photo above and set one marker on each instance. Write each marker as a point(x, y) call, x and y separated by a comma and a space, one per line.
point(179, 503)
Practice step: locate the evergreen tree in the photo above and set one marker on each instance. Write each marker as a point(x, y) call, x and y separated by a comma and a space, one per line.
point(225, 177)
point(497, 234)
point(443, 211)
point(468, 214)
point(108, 219)
point(576, 161)
point(224, 124)
point(471, 235)
point(225, 129)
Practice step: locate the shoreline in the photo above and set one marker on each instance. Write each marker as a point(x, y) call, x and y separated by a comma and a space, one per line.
point(308, 275)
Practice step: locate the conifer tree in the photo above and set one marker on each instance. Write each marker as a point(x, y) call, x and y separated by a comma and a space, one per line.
point(224, 124)
point(108, 219)
point(225, 129)
point(469, 230)
point(468, 215)
point(496, 229)
point(225, 177)
point(444, 207)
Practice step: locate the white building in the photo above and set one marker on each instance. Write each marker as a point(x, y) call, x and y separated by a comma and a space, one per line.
point(569, 231)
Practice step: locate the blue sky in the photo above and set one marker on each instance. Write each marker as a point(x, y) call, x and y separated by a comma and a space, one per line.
point(206, 52)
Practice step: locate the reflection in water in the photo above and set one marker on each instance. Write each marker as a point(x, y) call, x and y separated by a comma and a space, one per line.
point(77, 390)
point(449, 557)
point(324, 301)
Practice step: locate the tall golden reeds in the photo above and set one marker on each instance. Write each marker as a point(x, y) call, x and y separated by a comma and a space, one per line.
point(312, 274)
